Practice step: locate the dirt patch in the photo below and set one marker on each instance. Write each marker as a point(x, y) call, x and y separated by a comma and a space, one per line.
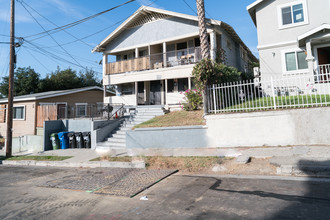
point(202, 165)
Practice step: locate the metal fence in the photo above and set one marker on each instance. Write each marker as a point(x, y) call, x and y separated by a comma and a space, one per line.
point(297, 91)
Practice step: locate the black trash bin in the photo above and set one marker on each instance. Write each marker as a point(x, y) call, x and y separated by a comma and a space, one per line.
point(79, 140)
point(72, 140)
point(87, 139)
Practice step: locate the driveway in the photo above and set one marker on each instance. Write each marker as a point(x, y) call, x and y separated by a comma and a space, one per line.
point(23, 196)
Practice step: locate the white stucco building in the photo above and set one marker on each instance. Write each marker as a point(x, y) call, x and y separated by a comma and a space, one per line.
point(149, 58)
point(293, 37)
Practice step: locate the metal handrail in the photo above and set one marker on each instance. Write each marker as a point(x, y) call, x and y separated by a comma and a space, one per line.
point(119, 112)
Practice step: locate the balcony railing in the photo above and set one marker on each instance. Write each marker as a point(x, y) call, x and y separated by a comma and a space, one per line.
point(156, 61)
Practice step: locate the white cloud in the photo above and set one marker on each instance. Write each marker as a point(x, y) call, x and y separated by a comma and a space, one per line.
point(19, 17)
point(67, 8)
point(148, 3)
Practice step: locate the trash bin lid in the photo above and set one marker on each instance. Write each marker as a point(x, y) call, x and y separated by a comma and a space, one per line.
point(63, 133)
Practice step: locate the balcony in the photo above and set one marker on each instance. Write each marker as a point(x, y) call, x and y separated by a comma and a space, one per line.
point(156, 61)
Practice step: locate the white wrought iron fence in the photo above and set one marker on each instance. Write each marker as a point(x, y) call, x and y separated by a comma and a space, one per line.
point(298, 91)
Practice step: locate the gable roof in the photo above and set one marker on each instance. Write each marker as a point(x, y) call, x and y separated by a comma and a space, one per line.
point(156, 14)
point(303, 37)
point(50, 94)
point(252, 10)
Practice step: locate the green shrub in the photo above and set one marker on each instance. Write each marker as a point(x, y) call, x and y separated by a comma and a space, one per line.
point(193, 100)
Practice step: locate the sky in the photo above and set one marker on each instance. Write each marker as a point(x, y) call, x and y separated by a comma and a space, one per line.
point(63, 49)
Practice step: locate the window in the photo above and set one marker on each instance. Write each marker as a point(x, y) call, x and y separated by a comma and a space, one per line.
point(81, 109)
point(293, 14)
point(19, 113)
point(295, 60)
point(170, 85)
point(182, 84)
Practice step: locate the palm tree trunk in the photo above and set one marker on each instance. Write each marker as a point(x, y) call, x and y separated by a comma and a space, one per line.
point(202, 29)
point(204, 42)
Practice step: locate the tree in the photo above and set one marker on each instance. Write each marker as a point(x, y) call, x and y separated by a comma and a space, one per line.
point(26, 81)
point(88, 78)
point(60, 80)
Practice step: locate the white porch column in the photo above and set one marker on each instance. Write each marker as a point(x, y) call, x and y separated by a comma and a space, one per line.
point(189, 82)
point(310, 58)
point(136, 93)
point(104, 63)
point(213, 46)
point(166, 90)
point(164, 55)
point(136, 52)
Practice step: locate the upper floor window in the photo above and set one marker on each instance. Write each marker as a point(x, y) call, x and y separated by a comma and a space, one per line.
point(293, 14)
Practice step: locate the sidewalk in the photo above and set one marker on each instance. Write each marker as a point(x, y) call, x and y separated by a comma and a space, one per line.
point(80, 158)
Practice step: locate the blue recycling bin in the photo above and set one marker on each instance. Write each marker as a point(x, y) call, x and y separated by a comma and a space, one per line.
point(64, 140)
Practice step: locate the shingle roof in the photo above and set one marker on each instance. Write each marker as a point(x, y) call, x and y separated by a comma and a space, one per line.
point(42, 95)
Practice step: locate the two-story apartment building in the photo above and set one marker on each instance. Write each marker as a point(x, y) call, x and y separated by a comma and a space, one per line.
point(149, 58)
point(293, 37)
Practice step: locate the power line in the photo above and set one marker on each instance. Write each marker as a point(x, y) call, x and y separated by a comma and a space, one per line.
point(51, 35)
point(79, 21)
point(55, 24)
point(37, 59)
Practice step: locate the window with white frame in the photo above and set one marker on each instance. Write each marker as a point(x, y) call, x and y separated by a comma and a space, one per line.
point(295, 60)
point(81, 109)
point(19, 112)
point(293, 14)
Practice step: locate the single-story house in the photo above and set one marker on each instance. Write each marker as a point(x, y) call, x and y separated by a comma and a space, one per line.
point(30, 111)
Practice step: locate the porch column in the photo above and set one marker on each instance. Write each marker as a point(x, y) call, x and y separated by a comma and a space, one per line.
point(136, 93)
point(136, 52)
point(164, 55)
point(310, 59)
point(104, 63)
point(166, 89)
point(213, 46)
point(189, 82)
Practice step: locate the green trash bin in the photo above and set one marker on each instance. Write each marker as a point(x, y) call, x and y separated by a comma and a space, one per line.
point(55, 141)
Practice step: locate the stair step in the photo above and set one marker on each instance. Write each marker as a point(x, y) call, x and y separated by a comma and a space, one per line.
point(121, 135)
point(116, 140)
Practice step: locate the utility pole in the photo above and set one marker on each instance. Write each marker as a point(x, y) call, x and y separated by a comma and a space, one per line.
point(11, 81)
point(204, 42)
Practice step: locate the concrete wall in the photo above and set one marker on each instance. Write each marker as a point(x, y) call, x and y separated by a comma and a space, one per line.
point(270, 128)
point(28, 143)
point(102, 130)
point(64, 125)
point(171, 137)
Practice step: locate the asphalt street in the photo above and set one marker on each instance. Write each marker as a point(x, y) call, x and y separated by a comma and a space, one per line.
point(22, 196)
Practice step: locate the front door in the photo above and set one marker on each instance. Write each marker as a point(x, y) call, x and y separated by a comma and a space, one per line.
point(61, 109)
point(140, 95)
point(155, 93)
point(323, 55)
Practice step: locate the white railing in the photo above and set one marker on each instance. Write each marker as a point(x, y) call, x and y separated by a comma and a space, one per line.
point(324, 74)
point(283, 93)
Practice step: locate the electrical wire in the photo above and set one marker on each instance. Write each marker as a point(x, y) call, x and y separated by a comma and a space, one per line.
point(79, 21)
point(50, 35)
point(23, 2)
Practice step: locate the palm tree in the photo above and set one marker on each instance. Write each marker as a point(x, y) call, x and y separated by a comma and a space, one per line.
point(204, 41)
point(202, 29)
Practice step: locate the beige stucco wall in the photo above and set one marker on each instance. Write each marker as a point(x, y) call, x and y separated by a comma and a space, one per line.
point(25, 126)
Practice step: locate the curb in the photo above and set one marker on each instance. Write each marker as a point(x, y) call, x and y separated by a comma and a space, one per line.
point(260, 177)
point(90, 164)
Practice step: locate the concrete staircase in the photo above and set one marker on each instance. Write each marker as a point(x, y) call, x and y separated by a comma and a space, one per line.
point(117, 139)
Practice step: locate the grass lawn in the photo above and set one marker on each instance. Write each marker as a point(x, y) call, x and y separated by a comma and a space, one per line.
point(284, 101)
point(176, 118)
point(113, 159)
point(38, 158)
point(184, 164)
